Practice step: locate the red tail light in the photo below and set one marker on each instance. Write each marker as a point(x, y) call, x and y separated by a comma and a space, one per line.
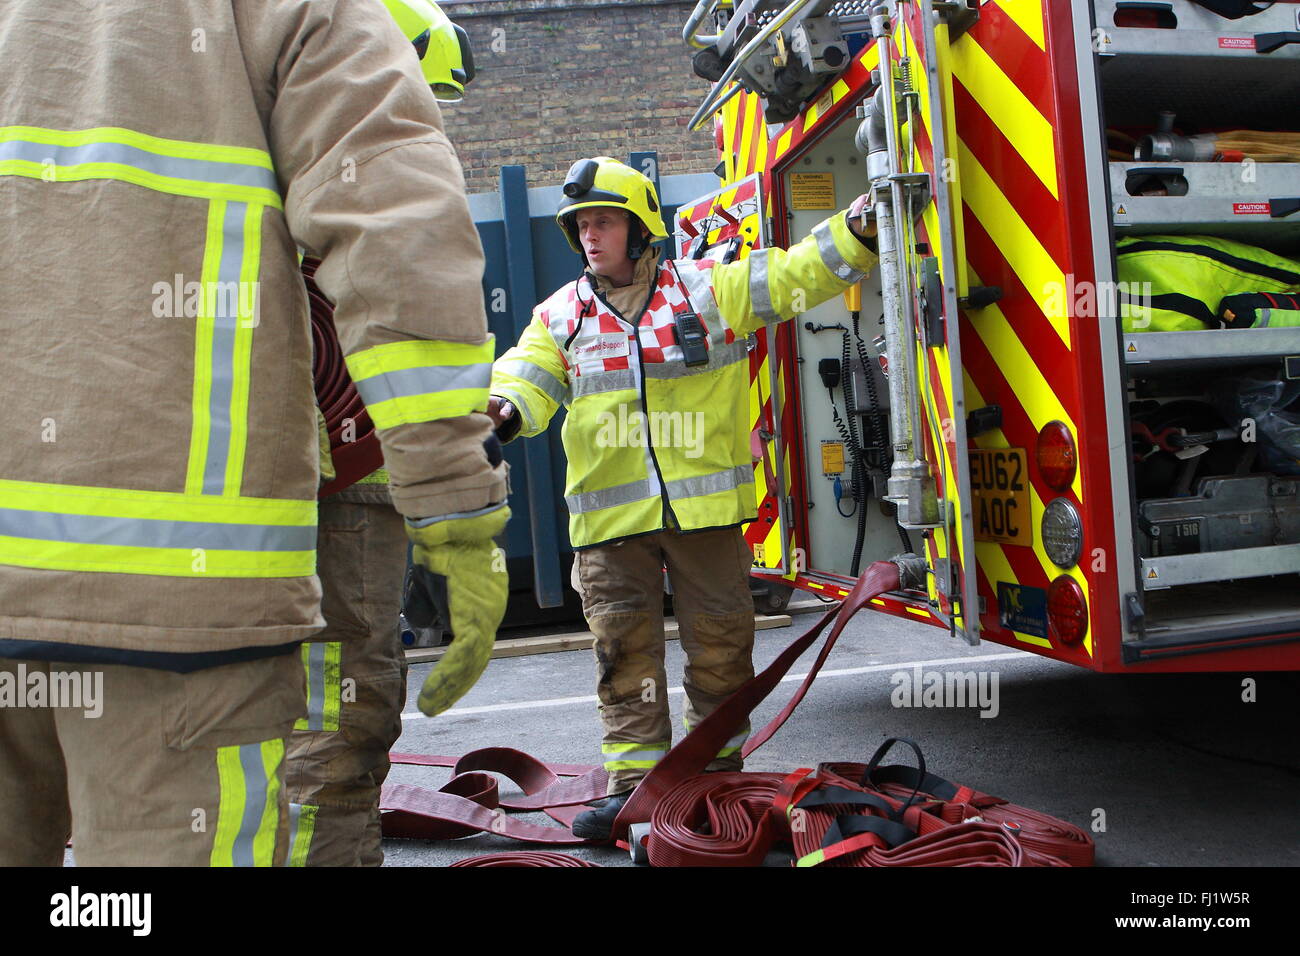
point(1067, 610)
point(1056, 455)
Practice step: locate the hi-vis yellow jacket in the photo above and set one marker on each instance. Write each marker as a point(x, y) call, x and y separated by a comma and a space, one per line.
point(160, 165)
point(648, 438)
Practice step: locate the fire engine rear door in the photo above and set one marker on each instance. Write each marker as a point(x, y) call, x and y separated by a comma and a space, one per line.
point(932, 257)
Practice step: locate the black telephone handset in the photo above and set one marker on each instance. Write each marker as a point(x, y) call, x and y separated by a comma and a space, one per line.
point(692, 339)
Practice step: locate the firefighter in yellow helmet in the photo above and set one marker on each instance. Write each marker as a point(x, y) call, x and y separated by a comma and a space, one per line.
point(160, 538)
point(337, 757)
point(650, 359)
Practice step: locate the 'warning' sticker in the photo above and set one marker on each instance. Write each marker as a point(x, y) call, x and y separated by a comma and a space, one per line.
point(1236, 43)
point(1120, 210)
point(812, 190)
point(832, 458)
point(1252, 209)
point(1153, 574)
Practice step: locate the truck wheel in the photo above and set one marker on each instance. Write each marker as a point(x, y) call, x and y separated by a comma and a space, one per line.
point(775, 600)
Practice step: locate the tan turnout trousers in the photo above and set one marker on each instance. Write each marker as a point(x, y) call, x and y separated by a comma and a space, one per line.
point(146, 767)
point(621, 586)
point(356, 684)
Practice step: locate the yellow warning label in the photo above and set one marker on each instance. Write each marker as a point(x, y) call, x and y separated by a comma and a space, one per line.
point(1152, 574)
point(1120, 210)
point(759, 557)
point(812, 190)
point(832, 458)
point(1132, 347)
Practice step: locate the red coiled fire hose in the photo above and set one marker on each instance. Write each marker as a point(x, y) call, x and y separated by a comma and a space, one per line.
point(532, 859)
point(715, 819)
point(354, 445)
point(851, 814)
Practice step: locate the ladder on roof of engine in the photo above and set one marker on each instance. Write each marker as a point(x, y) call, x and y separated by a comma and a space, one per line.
point(751, 48)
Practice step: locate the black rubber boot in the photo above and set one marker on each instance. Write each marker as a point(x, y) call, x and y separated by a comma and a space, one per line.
point(597, 824)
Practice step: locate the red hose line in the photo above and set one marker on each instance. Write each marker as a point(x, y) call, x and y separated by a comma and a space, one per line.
point(525, 858)
point(354, 444)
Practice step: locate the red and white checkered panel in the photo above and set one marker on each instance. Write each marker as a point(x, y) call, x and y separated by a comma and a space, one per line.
point(597, 347)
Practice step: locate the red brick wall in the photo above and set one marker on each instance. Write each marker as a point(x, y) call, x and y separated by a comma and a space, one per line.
point(562, 79)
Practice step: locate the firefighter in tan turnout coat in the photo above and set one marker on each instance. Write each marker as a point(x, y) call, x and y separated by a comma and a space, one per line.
point(158, 487)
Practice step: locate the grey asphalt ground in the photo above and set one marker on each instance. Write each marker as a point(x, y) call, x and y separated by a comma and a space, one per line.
point(1179, 769)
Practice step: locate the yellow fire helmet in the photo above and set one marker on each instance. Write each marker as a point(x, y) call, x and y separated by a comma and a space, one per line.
point(443, 47)
point(603, 181)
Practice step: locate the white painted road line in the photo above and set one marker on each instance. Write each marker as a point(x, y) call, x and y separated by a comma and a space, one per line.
point(789, 678)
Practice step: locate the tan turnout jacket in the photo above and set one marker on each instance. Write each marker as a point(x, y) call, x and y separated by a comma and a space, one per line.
point(160, 165)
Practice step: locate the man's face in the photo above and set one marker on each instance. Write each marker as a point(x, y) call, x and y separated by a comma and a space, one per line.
point(602, 231)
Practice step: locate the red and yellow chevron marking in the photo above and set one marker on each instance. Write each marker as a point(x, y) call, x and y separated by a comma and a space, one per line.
point(1018, 353)
point(938, 437)
point(741, 202)
point(748, 150)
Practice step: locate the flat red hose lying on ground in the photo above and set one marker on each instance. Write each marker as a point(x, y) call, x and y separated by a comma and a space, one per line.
point(524, 859)
point(466, 805)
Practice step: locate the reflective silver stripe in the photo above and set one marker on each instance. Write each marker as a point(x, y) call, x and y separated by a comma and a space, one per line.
point(316, 686)
point(699, 289)
point(611, 497)
point(559, 329)
point(734, 743)
point(425, 522)
point(423, 380)
point(618, 380)
point(634, 755)
point(720, 356)
point(295, 811)
point(198, 170)
point(224, 323)
point(250, 759)
point(155, 533)
point(760, 294)
point(1265, 316)
point(702, 485)
point(831, 256)
point(533, 375)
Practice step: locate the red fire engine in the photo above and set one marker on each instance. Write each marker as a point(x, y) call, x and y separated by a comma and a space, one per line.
point(978, 402)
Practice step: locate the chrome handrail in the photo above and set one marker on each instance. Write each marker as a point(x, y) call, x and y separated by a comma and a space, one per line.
point(691, 38)
point(712, 102)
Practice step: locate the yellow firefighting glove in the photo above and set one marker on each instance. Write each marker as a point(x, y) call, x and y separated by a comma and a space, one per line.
point(459, 577)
